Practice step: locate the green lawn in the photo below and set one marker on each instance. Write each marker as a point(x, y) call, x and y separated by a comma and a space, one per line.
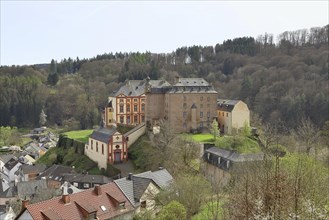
point(239, 143)
point(203, 138)
point(80, 135)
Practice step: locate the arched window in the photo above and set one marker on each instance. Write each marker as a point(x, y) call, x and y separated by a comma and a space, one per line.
point(103, 149)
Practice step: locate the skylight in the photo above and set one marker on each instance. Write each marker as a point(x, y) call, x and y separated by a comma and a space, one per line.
point(103, 208)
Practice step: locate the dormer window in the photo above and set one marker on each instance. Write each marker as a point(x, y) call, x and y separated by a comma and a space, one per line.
point(122, 205)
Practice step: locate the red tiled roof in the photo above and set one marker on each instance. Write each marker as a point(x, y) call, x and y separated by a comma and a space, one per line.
point(87, 200)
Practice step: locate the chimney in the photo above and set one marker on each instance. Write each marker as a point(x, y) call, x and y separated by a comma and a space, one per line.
point(98, 190)
point(129, 176)
point(66, 198)
point(25, 202)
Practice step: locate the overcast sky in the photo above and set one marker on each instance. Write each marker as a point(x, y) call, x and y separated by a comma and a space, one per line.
point(38, 31)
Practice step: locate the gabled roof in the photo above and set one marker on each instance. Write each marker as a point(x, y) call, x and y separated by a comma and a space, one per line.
point(82, 202)
point(137, 87)
point(56, 172)
point(35, 168)
point(6, 157)
point(11, 163)
point(234, 156)
point(191, 82)
point(86, 178)
point(192, 85)
point(30, 187)
point(140, 185)
point(103, 134)
point(133, 188)
point(132, 88)
point(226, 105)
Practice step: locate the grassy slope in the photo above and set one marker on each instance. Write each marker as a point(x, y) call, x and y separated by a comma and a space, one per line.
point(68, 157)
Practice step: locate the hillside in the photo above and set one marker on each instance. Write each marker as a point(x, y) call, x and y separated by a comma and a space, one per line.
point(286, 81)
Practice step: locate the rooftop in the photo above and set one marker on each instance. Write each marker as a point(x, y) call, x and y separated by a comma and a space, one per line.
point(135, 186)
point(104, 203)
point(103, 134)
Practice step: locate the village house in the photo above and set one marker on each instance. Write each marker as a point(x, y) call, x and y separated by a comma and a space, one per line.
point(85, 181)
point(232, 115)
point(29, 172)
point(54, 175)
point(102, 202)
point(141, 189)
point(8, 170)
point(218, 164)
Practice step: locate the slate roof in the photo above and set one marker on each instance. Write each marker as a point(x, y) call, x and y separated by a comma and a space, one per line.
point(226, 105)
point(86, 200)
point(191, 82)
point(235, 156)
point(36, 168)
point(9, 192)
point(135, 187)
point(87, 178)
point(132, 88)
point(6, 157)
point(31, 187)
point(140, 184)
point(11, 163)
point(103, 134)
point(192, 85)
point(55, 172)
point(137, 87)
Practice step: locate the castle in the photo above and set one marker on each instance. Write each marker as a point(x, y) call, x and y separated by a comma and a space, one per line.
point(190, 104)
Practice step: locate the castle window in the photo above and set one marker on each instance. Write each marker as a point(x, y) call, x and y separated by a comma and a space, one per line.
point(110, 109)
point(128, 108)
point(121, 100)
point(201, 124)
point(135, 119)
point(184, 114)
point(135, 100)
point(121, 119)
point(110, 120)
point(91, 144)
point(142, 100)
point(121, 109)
point(223, 114)
point(226, 114)
point(184, 105)
point(201, 114)
point(184, 126)
point(208, 99)
point(201, 98)
point(96, 146)
point(208, 114)
point(184, 98)
point(135, 108)
point(143, 118)
point(143, 204)
point(103, 149)
point(128, 119)
point(143, 107)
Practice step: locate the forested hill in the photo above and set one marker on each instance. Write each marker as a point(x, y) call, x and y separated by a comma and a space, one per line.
point(285, 81)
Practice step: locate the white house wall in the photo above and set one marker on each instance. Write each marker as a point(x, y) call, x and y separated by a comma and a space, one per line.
point(95, 156)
